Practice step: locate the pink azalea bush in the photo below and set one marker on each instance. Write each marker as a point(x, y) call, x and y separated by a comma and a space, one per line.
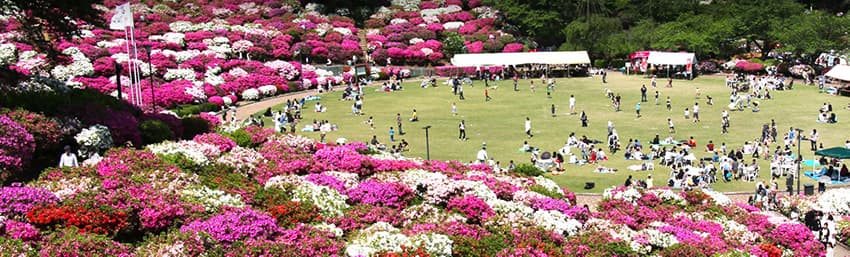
point(223, 143)
point(16, 147)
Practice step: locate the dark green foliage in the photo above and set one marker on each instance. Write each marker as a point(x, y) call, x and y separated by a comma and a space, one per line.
point(528, 170)
point(155, 131)
point(194, 109)
point(241, 137)
point(543, 191)
point(194, 126)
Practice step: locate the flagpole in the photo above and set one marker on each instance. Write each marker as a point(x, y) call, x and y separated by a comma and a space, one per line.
point(136, 66)
point(129, 67)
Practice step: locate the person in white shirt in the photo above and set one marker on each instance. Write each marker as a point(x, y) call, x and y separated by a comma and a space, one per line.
point(68, 159)
point(572, 104)
point(814, 138)
point(482, 155)
point(649, 183)
point(696, 112)
point(847, 144)
point(528, 127)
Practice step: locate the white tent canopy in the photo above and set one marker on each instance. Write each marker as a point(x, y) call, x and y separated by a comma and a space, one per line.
point(840, 72)
point(574, 57)
point(667, 58)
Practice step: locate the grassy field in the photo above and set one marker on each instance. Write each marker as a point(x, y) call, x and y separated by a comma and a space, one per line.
point(499, 122)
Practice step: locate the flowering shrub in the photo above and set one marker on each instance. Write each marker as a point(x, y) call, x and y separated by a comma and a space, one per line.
point(93, 139)
point(45, 131)
point(86, 220)
point(292, 213)
point(19, 200)
point(393, 195)
point(235, 225)
point(223, 143)
point(475, 209)
point(16, 147)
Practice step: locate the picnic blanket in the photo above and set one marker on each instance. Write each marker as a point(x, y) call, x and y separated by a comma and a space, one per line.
point(816, 177)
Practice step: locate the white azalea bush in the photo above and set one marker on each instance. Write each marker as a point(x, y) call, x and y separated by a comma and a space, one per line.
point(251, 94)
point(7, 53)
point(437, 245)
point(835, 201)
point(330, 202)
point(175, 74)
point(211, 199)
point(199, 153)
point(268, 90)
point(93, 139)
point(556, 222)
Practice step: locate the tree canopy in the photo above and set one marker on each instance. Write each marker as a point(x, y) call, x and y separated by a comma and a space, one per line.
point(613, 28)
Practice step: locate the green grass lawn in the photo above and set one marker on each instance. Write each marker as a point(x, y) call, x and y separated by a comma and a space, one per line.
point(499, 122)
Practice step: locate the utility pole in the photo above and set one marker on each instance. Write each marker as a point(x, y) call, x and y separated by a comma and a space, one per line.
point(118, 79)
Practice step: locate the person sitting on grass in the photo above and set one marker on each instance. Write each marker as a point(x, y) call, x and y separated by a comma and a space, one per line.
point(414, 117)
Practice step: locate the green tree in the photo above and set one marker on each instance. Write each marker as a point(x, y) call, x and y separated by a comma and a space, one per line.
point(811, 33)
point(702, 34)
point(592, 35)
point(452, 43)
point(754, 20)
point(540, 19)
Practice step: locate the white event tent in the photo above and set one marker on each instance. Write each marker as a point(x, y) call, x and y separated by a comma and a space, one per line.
point(643, 58)
point(840, 72)
point(564, 57)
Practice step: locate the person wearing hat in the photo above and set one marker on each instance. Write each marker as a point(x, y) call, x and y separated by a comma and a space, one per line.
point(482, 155)
point(68, 159)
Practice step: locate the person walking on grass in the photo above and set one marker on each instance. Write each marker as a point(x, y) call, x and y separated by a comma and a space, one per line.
point(486, 95)
point(370, 123)
point(392, 135)
point(572, 104)
point(528, 127)
point(398, 122)
point(454, 109)
point(460, 92)
point(531, 86)
point(671, 126)
point(637, 109)
point(669, 104)
point(696, 112)
point(516, 78)
point(553, 110)
point(583, 118)
point(656, 97)
point(643, 93)
point(461, 131)
point(549, 91)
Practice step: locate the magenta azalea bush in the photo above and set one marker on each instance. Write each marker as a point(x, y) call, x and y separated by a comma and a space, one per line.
point(393, 195)
point(223, 143)
point(16, 147)
point(18, 200)
point(475, 209)
point(235, 225)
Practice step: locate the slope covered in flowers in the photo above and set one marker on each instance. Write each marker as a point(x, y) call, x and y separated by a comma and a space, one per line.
point(290, 196)
point(224, 51)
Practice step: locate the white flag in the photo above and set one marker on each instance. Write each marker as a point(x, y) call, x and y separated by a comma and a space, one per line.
point(123, 17)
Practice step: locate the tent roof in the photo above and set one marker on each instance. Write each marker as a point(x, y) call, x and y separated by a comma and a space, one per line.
point(573, 57)
point(671, 58)
point(835, 152)
point(840, 72)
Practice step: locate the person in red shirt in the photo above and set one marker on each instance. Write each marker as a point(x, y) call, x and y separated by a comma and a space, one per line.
point(710, 146)
point(692, 143)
